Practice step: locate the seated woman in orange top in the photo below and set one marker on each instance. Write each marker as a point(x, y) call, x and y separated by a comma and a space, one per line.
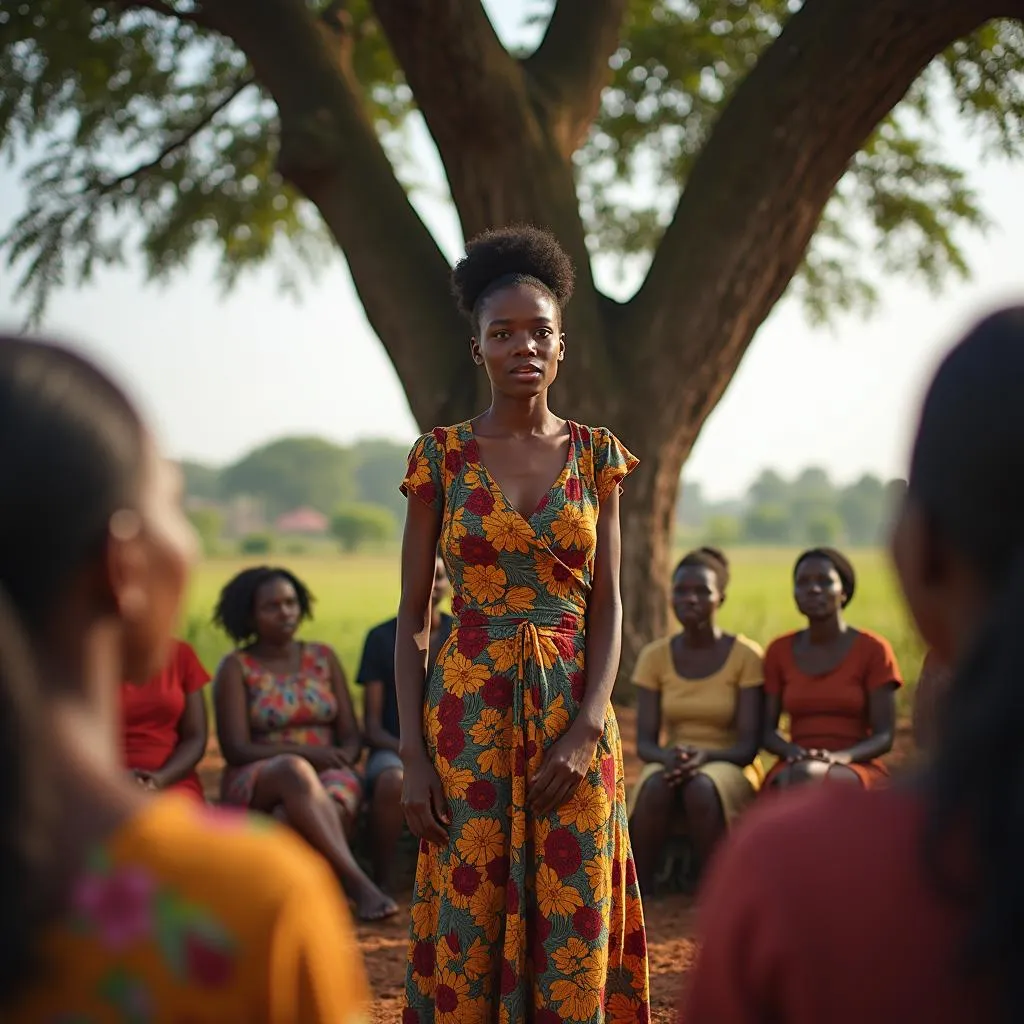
point(832, 905)
point(119, 905)
point(164, 723)
point(836, 683)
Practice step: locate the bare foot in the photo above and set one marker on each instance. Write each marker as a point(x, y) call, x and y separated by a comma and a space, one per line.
point(374, 905)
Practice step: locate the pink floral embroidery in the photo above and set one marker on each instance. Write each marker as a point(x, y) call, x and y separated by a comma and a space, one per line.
point(119, 905)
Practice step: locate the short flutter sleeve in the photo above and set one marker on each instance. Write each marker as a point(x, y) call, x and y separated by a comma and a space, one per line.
point(424, 475)
point(882, 667)
point(648, 673)
point(612, 461)
point(751, 663)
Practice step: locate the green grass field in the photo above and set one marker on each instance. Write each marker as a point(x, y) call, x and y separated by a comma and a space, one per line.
point(356, 592)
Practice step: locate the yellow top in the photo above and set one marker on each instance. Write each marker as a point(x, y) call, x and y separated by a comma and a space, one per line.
point(187, 913)
point(699, 712)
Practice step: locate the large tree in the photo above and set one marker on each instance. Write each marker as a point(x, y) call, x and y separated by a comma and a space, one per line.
point(706, 136)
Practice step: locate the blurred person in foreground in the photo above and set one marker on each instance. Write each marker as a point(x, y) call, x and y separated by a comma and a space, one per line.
point(906, 904)
point(118, 904)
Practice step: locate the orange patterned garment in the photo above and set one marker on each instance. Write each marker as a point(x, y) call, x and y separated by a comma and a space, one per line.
point(521, 918)
point(188, 914)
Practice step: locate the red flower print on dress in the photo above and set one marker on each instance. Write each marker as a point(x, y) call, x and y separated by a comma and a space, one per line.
point(472, 451)
point(410, 1016)
point(480, 795)
point(508, 978)
point(472, 641)
point(573, 489)
point(451, 742)
point(478, 551)
point(497, 692)
point(588, 923)
point(118, 905)
point(427, 493)
point(497, 870)
point(450, 710)
point(472, 617)
point(439, 435)
point(577, 685)
point(423, 956)
point(453, 461)
point(480, 502)
point(562, 852)
point(465, 879)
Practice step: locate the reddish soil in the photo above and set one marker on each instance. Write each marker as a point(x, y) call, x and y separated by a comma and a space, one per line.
point(669, 919)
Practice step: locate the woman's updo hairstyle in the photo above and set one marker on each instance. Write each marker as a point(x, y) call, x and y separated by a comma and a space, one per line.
point(710, 558)
point(518, 254)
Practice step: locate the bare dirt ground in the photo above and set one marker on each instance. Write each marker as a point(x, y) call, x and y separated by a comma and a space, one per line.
point(670, 919)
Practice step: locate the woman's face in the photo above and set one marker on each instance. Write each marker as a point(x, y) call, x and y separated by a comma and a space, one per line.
point(163, 549)
point(817, 588)
point(695, 596)
point(520, 343)
point(276, 611)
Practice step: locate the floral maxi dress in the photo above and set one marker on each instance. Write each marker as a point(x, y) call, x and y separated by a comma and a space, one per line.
point(521, 918)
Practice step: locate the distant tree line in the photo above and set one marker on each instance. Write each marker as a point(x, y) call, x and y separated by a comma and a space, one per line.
point(808, 509)
point(355, 490)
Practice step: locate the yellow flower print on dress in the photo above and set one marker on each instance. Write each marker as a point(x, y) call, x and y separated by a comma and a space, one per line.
point(507, 530)
point(574, 528)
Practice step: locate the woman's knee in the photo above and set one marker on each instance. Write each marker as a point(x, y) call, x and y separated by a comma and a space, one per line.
point(290, 775)
point(387, 787)
point(843, 773)
point(700, 797)
point(656, 796)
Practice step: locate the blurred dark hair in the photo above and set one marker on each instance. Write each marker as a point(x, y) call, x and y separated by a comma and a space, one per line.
point(707, 557)
point(967, 479)
point(71, 457)
point(236, 609)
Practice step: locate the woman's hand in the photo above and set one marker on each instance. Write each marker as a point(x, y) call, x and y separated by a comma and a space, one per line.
point(565, 766)
point(424, 803)
point(798, 754)
point(686, 762)
point(325, 759)
point(147, 780)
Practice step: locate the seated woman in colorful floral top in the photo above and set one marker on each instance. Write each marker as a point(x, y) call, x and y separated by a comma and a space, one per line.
point(119, 905)
point(836, 683)
point(703, 687)
point(164, 723)
point(287, 727)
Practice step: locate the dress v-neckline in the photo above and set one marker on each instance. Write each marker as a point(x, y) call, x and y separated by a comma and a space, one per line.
point(498, 492)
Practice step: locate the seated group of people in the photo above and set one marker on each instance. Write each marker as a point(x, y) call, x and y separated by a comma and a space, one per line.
point(287, 727)
point(708, 702)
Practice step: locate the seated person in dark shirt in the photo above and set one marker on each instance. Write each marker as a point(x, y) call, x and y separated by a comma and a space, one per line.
point(383, 777)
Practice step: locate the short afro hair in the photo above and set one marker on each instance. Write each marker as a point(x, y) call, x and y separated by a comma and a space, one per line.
point(518, 254)
point(236, 609)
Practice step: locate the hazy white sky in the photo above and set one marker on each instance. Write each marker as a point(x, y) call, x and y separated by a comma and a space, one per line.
point(219, 375)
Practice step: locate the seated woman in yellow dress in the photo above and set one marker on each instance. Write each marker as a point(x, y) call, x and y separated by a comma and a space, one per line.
point(702, 689)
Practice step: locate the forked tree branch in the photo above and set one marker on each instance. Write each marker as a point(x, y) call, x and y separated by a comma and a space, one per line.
point(756, 194)
point(571, 66)
point(465, 82)
point(331, 152)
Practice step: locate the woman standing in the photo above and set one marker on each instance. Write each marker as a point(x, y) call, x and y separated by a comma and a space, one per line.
point(164, 721)
point(705, 687)
point(118, 905)
point(836, 683)
point(526, 904)
point(287, 727)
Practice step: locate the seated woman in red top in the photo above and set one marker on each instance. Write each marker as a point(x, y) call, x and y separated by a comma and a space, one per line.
point(287, 727)
point(164, 722)
point(836, 683)
point(905, 904)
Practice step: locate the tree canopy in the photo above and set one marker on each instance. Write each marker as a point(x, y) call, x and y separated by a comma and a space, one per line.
point(141, 129)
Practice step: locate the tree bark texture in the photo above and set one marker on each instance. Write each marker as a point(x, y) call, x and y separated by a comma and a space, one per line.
point(653, 368)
